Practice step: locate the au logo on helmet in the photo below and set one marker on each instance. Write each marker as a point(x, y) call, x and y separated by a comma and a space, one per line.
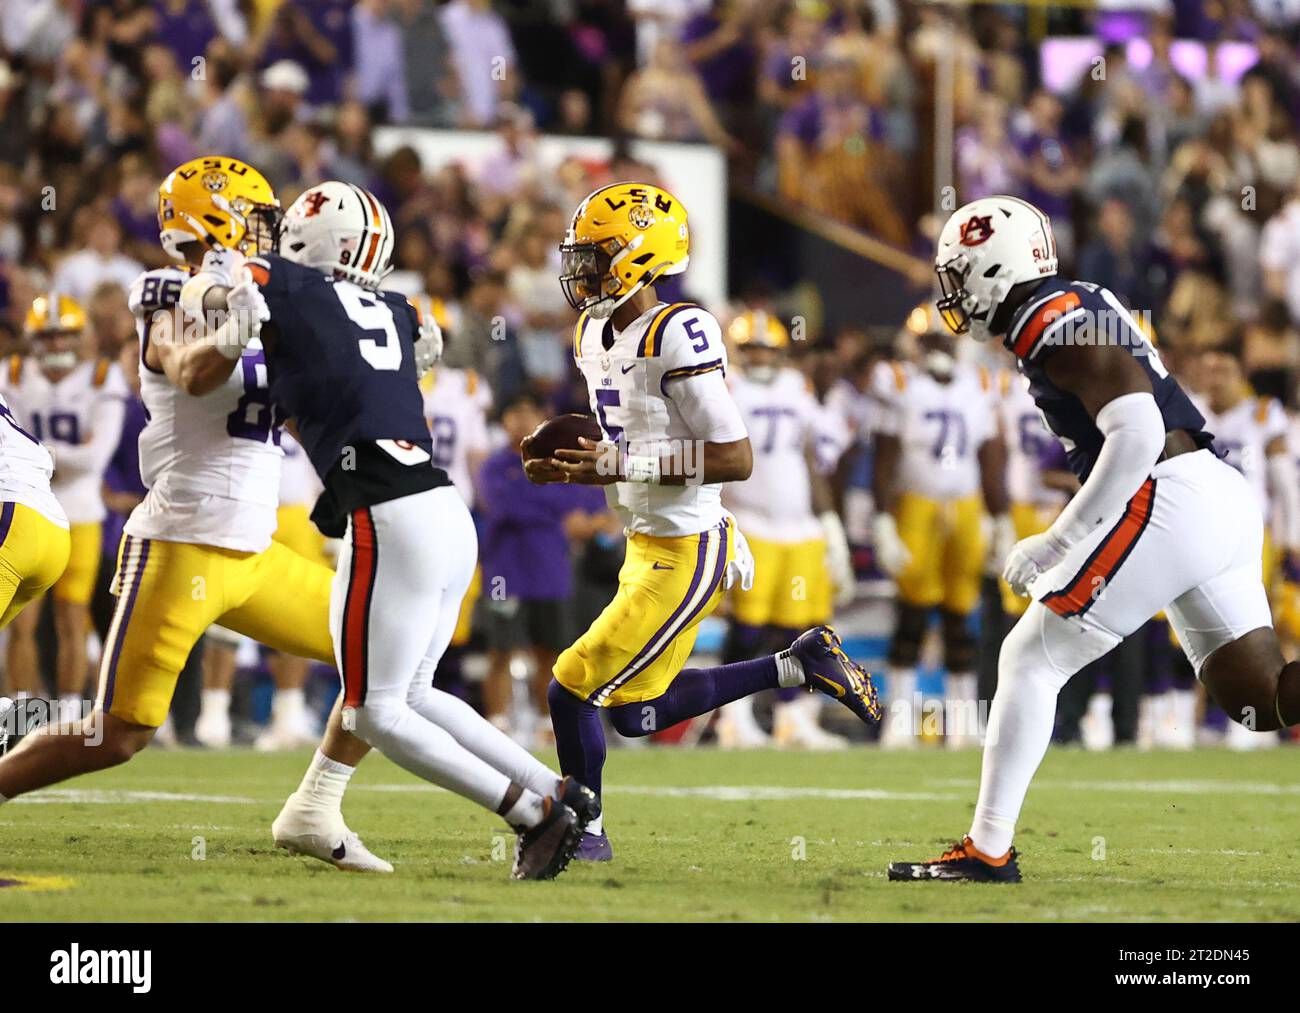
point(978, 230)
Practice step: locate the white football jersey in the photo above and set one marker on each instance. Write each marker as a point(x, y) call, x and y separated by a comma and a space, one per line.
point(1242, 434)
point(299, 483)
point(456, 403)
point(25, 469)
point(1027, 437)
point(784, 421)
point(941, 427)
point(211, 463)
point(79, 419)
point(660, 381)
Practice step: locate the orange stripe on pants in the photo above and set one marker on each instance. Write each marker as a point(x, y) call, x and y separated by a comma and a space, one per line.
point(356, 614)
point(1077, 597)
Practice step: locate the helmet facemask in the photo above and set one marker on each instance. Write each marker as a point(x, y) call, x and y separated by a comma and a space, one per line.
point(587, 278)
point(963, 311)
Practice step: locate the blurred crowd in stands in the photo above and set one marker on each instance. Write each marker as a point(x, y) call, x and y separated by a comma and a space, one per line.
point(1178, 191)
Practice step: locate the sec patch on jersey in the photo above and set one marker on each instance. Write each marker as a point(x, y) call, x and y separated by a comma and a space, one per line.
point(560, 433)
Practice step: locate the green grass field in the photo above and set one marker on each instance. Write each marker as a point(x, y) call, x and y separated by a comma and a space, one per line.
point(699, 835)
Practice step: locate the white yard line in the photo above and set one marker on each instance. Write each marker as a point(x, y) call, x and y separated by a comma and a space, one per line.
point(724, 792)
point(1148, 787)
point(75, 796)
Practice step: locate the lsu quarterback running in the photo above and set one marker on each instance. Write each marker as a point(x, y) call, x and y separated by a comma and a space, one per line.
point(198, 550)
point(1159, 522)
point(672, 436)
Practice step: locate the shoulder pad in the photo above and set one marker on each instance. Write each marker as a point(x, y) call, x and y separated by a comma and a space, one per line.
point(653, 341)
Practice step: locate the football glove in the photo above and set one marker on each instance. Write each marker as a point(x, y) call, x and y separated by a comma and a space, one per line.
point(839, 560)
point(428, 346)
point(1031, 557)
point(892, 554)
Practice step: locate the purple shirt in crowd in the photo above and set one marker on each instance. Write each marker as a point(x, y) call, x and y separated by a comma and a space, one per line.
point(123, 471)
point(522, 537)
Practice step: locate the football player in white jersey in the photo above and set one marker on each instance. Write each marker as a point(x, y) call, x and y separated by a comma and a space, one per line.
point(33, 533)
point(672, 436)
point(787, 511)
point(1251, 432)
point(199, 549)
point(75, 405)
point(456, 406)
point(939, 463)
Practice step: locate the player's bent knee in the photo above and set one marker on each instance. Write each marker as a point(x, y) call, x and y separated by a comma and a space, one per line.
point(1243, 678)
point(1023, 657)
point(634, 720)
point(905, 645)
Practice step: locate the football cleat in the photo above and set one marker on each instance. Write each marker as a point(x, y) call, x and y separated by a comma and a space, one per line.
point(584, 802)
point(829, 670)
point(594, 848)
point(544, 851)
point(327, 839)
point(963, 861)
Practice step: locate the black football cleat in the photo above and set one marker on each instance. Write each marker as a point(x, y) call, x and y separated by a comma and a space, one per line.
point(544, 851)
point(829, 670)
point(584, 802)
point(963, 861)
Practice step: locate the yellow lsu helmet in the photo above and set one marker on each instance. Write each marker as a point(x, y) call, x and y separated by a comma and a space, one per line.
point(622, 238)
point(217, 201)
point(757, 329)
point(54, 313)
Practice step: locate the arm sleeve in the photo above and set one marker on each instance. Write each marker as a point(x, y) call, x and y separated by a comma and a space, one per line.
point(106, 419)
point(707, 407)
point(1134, 435)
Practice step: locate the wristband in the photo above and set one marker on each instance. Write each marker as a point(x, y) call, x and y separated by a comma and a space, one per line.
point(641, 468)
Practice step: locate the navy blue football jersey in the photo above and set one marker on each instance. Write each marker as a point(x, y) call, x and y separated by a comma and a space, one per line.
point(1062, 312)
point(340, 363)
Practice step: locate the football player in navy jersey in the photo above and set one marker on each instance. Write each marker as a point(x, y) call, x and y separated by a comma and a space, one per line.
point(343, 360)
point(1159, 523)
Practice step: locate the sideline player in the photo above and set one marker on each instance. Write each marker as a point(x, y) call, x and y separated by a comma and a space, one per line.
point(198, 549)
point(1159, 522)
point(342, 358)
point(786, 509)
point(939, 463)
point(75, 405)
point(33, 528)
point(655, 373)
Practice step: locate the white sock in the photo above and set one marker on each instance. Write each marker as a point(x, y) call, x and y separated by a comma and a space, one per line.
point(1021, 720)
point(527, 810)
point(324, 783)
point(961, 714)
point(483, 739)
point(287, 706)
point(215, 701)
point(428, 750)
point(597, 826)
point(900, 700)
point(789, 670)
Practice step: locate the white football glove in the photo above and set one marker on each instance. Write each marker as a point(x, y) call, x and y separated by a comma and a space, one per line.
point(248, 307)
point(1031, 557)
point(1002, 539)
point(428, 346)
point(839, 560)
point(741, 568)
point(220, 267)
point(892, 554)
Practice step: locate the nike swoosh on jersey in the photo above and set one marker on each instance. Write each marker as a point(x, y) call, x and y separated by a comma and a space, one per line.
point(660, 566)
point(628, 369)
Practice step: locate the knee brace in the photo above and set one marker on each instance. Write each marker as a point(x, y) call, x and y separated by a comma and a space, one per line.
point(905, 645)
point(959, 646)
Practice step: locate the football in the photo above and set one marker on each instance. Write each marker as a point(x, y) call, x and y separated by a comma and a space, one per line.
point(560, 433)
